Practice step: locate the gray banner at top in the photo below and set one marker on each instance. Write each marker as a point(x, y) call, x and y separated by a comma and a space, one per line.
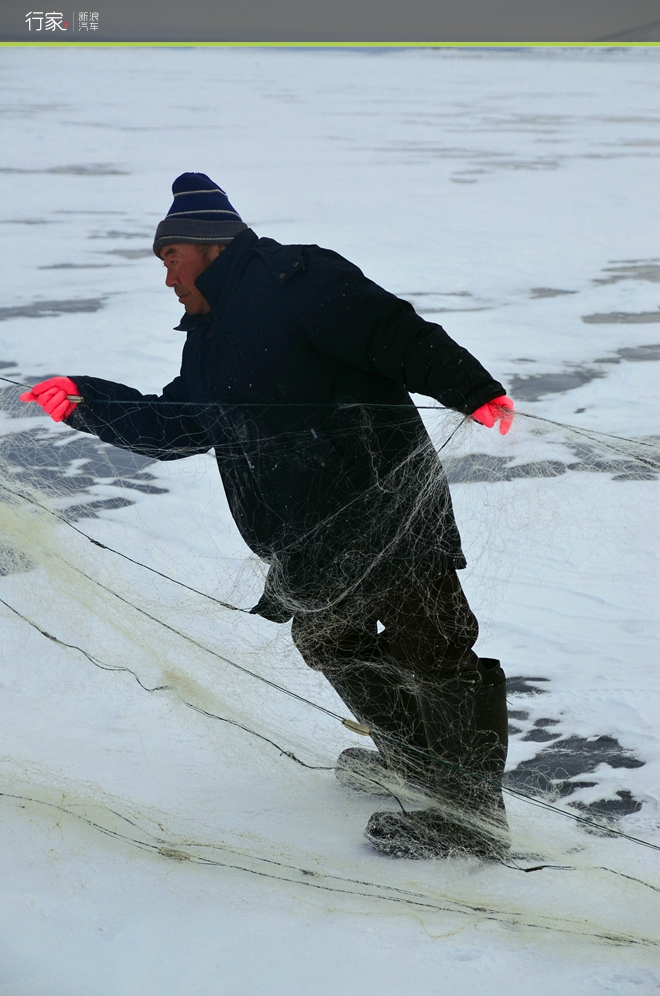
point(464, 21)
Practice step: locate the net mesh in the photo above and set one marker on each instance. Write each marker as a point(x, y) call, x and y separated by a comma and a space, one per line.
point(111, 561)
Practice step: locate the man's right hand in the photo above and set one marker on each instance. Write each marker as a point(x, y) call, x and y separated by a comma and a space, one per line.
point(55, 396)
point(498, 410)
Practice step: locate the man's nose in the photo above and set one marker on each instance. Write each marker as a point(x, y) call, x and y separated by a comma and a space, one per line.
point(170, 279)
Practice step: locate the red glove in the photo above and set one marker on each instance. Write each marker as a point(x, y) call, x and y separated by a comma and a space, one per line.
point(55, 396)
point(499, 409)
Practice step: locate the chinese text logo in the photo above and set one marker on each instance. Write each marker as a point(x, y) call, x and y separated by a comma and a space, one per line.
point(88, 20)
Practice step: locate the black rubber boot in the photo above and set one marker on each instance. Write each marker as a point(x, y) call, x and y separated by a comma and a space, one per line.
point(362, 770)
point(380, 696)
point(465, 726)
point(357, 663)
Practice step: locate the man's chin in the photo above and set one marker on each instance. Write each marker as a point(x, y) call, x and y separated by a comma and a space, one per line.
point(193, 304)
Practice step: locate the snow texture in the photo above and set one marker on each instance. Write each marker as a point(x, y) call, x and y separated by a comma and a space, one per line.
point(509, 195)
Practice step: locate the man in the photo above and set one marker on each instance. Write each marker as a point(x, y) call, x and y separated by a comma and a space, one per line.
point(296, 371)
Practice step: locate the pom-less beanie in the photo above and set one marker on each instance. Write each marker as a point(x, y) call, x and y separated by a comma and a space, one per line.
point(201, 212)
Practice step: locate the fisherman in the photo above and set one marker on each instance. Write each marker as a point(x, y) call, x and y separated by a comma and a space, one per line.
point(296, 371)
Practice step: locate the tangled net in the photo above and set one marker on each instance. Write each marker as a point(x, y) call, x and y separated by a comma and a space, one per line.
point(101, 587)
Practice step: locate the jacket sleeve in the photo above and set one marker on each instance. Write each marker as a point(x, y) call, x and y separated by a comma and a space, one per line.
point(354, 320)
point(160, 427)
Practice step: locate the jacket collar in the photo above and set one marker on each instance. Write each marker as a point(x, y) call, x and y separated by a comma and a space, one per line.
point(214, 282)
point(191, 322)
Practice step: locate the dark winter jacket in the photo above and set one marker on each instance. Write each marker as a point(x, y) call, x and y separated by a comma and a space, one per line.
point(299, 380)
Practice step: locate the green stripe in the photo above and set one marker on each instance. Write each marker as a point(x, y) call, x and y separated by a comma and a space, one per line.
point(323, 44)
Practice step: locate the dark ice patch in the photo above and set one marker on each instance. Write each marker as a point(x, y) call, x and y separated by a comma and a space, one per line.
point(524, 685)
point(624, 804)
point(475, 467)
point(540, 736)
point(550, 292)
point(631, 269)
point(76, 169)
point(573, 756)
point(115, 234)
point(75, 266)
point(442, 311)
point(130, 253)
point(28, 221)
point(11, 404)
point(90, 510)
point(73, 460)
point(49, 309)
point(640, 354)
point(65, 465)
point(642, 468)
point(13, 561)
point(532, 387)
point(622, 318)
point(472, 163)
point(539, 733)
point(83, 211)
point(406, 294)
point(559, 770)
point(442, 306)
point(19, 110)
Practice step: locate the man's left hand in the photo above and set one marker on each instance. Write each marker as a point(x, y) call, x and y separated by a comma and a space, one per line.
point(58, 396)
point(498, 410)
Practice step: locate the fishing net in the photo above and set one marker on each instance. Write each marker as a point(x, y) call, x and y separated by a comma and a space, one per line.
point(113, 562)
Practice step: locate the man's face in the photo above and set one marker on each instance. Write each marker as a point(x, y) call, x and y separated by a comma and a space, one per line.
point(184, 263)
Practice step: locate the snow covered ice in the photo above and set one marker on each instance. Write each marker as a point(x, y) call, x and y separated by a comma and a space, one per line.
point(149, 848)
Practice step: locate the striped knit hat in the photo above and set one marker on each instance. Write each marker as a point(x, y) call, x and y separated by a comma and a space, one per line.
point(201, 212)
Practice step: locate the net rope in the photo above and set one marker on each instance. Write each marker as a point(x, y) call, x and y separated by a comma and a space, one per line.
point(36, 521)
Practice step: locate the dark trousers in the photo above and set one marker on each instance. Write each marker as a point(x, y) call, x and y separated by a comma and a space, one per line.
point(427, 629)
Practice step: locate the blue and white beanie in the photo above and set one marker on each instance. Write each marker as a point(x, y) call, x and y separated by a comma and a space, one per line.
point(201, 212)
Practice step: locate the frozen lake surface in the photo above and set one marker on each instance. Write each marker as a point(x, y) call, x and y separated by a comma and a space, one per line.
point(148, 848)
